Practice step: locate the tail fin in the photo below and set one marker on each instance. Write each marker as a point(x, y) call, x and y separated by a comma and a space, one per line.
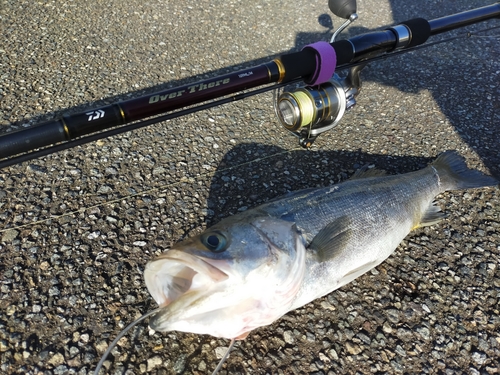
point(454, 174)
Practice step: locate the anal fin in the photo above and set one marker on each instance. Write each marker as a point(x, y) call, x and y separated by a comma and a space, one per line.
point(431, 216)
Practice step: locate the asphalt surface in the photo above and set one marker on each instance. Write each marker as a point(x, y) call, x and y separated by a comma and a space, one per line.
point(78, 227)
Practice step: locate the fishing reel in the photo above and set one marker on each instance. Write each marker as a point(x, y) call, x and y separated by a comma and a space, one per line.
point(311, 110)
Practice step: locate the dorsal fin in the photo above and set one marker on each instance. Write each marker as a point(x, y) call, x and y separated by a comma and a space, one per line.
point(366, 172)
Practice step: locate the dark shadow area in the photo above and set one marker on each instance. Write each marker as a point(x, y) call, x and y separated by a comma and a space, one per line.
point(252, 173)
point(458, 74)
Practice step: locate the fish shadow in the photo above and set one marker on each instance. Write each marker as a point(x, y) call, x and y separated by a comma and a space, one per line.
point(252, 173)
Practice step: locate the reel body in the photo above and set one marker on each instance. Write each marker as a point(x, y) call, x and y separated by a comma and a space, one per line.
point(311, 110)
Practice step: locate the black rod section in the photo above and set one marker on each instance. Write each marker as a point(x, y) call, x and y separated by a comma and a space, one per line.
point(99, 119)
point(469, 17)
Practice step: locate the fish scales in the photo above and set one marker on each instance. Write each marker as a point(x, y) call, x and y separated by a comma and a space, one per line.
point(381, 211)
point(249, 269)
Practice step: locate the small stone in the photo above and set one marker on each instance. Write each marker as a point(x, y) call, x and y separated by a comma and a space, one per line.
point(73, 350)
point(104, 189)
point(387, 327)
point(9, 235)
point(61, 370)
point(101, 346)
point(288, 337)
point(130, 299)
point(43, 355)
point(364, 338)
point(3, 346)
point(353, 348)
point(93, 235)
point(154, 362)
point(479, 358)
point(393, 315)
point(327, 305)
point(220, 351)
point(424, 332)
point(85, 338)
point(10, 310)
point(333, 354)
point(323, 357)
point(56, 360)
point(139, 243)
point(400, 351)
point(75, 362)
point(310, 337)
point(180, 364)
point(202, 366)
point(159, 170)
point(396, 366)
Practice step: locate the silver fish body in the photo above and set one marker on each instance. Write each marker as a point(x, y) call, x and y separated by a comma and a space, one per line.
point(251, 268)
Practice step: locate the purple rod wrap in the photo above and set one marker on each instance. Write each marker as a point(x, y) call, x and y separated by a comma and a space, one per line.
point(326, 62)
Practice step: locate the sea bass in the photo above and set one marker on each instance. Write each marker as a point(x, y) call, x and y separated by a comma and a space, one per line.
point(250, 269)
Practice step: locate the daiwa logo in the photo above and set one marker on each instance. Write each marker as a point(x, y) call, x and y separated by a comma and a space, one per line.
point(94, 115)
point(189, 90)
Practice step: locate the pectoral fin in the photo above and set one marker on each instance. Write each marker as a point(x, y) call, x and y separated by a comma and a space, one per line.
point(332, 239)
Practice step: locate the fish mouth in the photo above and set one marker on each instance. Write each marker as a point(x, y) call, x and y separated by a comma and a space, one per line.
point(176, 272)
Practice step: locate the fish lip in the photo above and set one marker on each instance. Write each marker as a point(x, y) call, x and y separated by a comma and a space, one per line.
point(155, 274)
point(197, 263)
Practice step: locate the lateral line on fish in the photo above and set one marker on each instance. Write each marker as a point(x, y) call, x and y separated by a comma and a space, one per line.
point(144, 192)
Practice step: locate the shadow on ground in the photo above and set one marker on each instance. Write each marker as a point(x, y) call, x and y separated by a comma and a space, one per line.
point(253, 173)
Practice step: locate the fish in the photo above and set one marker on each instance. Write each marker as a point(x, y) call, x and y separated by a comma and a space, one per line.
point(250, 269)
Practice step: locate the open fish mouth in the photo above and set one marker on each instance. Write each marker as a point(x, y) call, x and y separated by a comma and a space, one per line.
point(175, 273)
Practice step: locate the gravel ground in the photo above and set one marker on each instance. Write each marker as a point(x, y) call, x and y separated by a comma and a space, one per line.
point(79, 226)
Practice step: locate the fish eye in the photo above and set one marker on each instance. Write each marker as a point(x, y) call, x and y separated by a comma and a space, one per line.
point(214, 241)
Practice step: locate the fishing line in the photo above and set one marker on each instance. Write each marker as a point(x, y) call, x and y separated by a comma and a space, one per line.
point(120, 335)
point(223, 359)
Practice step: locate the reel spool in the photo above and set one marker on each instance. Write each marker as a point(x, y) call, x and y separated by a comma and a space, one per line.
point(311, 110)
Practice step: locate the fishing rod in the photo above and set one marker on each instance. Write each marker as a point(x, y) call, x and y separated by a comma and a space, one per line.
point(306, 112)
